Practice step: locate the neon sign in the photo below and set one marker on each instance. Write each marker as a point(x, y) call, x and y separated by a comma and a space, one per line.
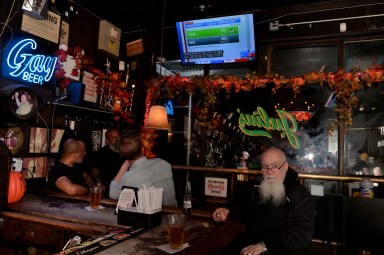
point(28, 67)
point(286, 123)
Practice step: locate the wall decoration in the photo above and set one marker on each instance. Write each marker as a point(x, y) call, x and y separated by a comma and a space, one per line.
point(56, 136)
point(103, 138)
point(34, 167)
point(13, 138)
point(96, 140)
point(18, 103)
point(38, 140)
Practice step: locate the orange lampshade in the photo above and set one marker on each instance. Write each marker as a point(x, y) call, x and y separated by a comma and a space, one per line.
point(158, 118)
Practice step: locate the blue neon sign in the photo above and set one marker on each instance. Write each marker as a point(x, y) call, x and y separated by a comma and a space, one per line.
point(21, 64)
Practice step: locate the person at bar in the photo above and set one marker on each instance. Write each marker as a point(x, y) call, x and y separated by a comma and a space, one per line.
point(65, 176)
point(142, 171)
point(107, 161)
point(281, 222)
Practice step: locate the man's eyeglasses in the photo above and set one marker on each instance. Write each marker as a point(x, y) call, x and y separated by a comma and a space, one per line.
point(272, 168)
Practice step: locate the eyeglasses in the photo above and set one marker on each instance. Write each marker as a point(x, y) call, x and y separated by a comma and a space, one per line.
point(273, 168)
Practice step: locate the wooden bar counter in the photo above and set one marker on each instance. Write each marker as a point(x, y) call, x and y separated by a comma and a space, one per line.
point(49, 221)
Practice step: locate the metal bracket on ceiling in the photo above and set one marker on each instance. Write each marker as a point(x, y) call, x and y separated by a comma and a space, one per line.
point(274, 26)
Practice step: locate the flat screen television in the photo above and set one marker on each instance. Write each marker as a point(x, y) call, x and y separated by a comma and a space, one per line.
point(225, 39)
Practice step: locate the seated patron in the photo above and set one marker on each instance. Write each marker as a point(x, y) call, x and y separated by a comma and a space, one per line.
point(107, 161)
point(282, 221)
point(142, 171)
point(65, 176)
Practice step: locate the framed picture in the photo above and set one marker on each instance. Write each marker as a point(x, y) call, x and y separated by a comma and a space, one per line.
point(34, 167)
point(103, 137)
point(96, 140)
point(21, 103)
point(38, 140)
point(13, 138)
point(56, 136)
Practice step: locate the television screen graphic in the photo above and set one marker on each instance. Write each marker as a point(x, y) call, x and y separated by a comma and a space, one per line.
point(217, 40)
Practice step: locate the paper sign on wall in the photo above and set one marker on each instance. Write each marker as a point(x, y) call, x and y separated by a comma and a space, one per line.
point(90, 90)
point(216, 187)
point(48, 29)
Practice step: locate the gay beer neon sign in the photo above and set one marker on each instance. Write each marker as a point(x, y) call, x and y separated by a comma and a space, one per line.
point(22, 65)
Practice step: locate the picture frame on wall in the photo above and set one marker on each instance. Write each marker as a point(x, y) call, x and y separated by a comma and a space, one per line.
point(38, 140)
point(34, 167)
point(13, 138)
point(56, 136)
point(96, 140)
point(103, 138)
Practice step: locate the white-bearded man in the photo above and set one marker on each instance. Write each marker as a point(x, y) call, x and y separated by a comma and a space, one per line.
point(281, 222)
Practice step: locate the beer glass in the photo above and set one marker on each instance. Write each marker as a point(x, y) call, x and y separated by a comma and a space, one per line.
point(176, 230)
point(95, 196)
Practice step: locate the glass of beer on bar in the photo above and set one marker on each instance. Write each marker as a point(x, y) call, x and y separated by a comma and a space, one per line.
point(95, 196)
point(176, 230)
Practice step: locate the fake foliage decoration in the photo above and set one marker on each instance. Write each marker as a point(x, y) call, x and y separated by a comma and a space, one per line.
point(342, 84)
point(16, 186)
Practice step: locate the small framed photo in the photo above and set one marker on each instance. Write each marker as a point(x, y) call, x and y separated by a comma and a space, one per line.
point(103, 137)
point(56, 136)
point(13, 138)
point(38, 138)
point(34, 167)
point(96, 140)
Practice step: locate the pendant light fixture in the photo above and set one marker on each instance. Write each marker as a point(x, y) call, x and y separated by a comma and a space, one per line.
point(158, 118)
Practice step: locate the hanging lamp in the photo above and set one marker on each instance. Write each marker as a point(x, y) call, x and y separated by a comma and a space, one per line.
point(158, 118)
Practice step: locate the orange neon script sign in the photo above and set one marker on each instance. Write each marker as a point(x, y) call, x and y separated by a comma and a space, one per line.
point(286, 123)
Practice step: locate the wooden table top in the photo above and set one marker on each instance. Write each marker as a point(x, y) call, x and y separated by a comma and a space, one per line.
point(203, 234)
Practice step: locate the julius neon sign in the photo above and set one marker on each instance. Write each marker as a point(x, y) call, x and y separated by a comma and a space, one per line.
point(31, 68)
point(285, 123)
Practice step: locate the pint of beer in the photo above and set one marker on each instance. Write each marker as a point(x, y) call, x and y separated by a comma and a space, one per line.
point(176, 230)
point(95, 196)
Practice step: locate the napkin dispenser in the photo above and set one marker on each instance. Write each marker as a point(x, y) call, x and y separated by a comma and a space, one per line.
point(144, 219)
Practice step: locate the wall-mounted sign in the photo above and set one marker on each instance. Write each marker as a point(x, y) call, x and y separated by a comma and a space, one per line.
point(260, 124)
point(90, 90)
point(23, 62)
point(47, 29)
point(216, 187)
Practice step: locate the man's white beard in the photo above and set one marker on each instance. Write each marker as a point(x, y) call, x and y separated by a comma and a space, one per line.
point(272, 190)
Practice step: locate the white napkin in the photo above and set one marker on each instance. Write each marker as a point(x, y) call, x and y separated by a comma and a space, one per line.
point(91, 209)
point(168, 249)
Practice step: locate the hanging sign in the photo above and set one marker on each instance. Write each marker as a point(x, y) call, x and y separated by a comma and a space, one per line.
point(24, 63)
point(47, 29)
point(259, 124)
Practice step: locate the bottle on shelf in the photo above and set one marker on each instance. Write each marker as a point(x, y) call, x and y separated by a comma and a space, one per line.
point(187, 202)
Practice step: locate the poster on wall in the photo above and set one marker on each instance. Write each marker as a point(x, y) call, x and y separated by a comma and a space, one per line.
point(48, 29)
point(34, 167)
point(38, 140)
point(56, 136)
point(96, 140)
point(64, 33)
point(90, 87)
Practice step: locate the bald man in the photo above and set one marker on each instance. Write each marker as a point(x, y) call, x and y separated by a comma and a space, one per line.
point(65, 176)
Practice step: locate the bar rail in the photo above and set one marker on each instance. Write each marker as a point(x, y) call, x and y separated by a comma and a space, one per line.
point(347, 178)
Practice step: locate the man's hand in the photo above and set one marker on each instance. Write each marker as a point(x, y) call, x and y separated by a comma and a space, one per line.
point(220, 214)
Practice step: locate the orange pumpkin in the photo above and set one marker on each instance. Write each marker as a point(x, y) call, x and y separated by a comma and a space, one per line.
point(16, 186)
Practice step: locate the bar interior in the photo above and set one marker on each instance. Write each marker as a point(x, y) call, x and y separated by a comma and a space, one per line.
point(172, 108)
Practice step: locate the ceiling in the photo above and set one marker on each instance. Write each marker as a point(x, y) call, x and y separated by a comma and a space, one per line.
point(156, 19)
point(143, 14)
